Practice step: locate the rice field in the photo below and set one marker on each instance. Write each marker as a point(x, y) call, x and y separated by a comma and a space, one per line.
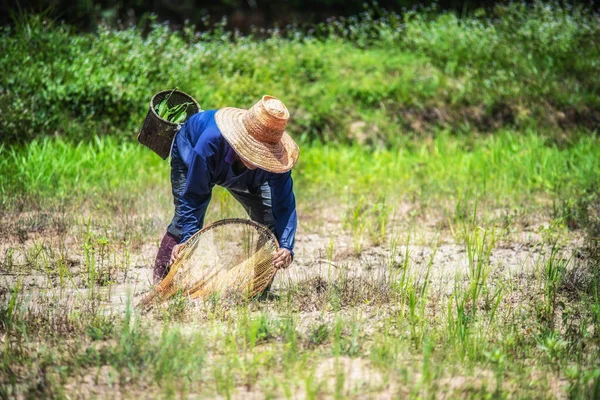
point(442, 268)
point(448, 195)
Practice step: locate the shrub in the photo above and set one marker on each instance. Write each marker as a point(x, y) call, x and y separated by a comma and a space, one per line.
point(360, 78)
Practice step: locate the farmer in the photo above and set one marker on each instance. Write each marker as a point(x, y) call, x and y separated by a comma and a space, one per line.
point(247, 152)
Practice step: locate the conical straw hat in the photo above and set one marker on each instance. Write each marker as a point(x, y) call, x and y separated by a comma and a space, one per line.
point(258, 135)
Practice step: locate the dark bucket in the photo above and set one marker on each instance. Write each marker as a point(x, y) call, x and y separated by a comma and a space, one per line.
point(158, 133)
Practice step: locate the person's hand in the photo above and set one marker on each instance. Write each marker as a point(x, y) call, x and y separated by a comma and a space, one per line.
point(283, 258)
point(175, 252)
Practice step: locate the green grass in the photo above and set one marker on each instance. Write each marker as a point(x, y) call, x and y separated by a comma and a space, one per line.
point(500, 171)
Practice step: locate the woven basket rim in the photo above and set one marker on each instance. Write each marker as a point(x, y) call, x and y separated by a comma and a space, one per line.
point(262, 228)
point(169, 91)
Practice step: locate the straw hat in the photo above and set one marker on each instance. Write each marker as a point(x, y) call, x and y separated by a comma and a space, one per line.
point(258, 135)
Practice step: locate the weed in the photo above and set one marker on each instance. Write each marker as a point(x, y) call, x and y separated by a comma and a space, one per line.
point(257, 329)
point(177, 307)
point(101, 327)
point(290, 337)
point(357, 225)
point(339, 379)
point(384, 351)
point(497, 358)
point(554, 271)
point(319, 334)
point(346, 344)
point(553, 346)
point(312, 385)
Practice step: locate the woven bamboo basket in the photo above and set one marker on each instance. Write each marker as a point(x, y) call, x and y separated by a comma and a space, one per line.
point(158, 133)
point(229, 257)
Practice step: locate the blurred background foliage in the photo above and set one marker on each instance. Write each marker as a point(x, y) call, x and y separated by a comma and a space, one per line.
point(369, 77)
point(241, 14)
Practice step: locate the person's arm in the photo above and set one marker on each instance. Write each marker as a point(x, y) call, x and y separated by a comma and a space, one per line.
point(284, 212)
point(195, 197)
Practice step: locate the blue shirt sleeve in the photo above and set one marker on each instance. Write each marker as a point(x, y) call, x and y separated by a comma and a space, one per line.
point(284, 209)
point(196, 196)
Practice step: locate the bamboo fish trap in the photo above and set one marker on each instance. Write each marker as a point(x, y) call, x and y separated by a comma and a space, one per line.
point(229, 256)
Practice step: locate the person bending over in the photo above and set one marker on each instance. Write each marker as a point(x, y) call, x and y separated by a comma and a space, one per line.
point(247, 152)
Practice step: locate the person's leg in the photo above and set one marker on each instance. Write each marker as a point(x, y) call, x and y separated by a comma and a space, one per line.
point(178, 181)
point(173, 234)
point(163, 258)
point(258, 207)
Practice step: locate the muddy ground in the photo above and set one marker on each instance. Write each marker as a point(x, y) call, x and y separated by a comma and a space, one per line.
point(35, 242)
point(327, 253)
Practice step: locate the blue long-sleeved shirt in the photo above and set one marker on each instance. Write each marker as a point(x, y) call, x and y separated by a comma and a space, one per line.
point(207, 155)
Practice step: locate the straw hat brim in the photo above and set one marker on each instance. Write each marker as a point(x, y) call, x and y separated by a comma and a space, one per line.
point(278, 158)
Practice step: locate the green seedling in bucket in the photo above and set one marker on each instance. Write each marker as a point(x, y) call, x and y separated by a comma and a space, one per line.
point(175, 114)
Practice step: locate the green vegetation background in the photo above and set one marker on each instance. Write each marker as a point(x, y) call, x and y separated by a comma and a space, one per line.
point(242, 14)
point(358, 79)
